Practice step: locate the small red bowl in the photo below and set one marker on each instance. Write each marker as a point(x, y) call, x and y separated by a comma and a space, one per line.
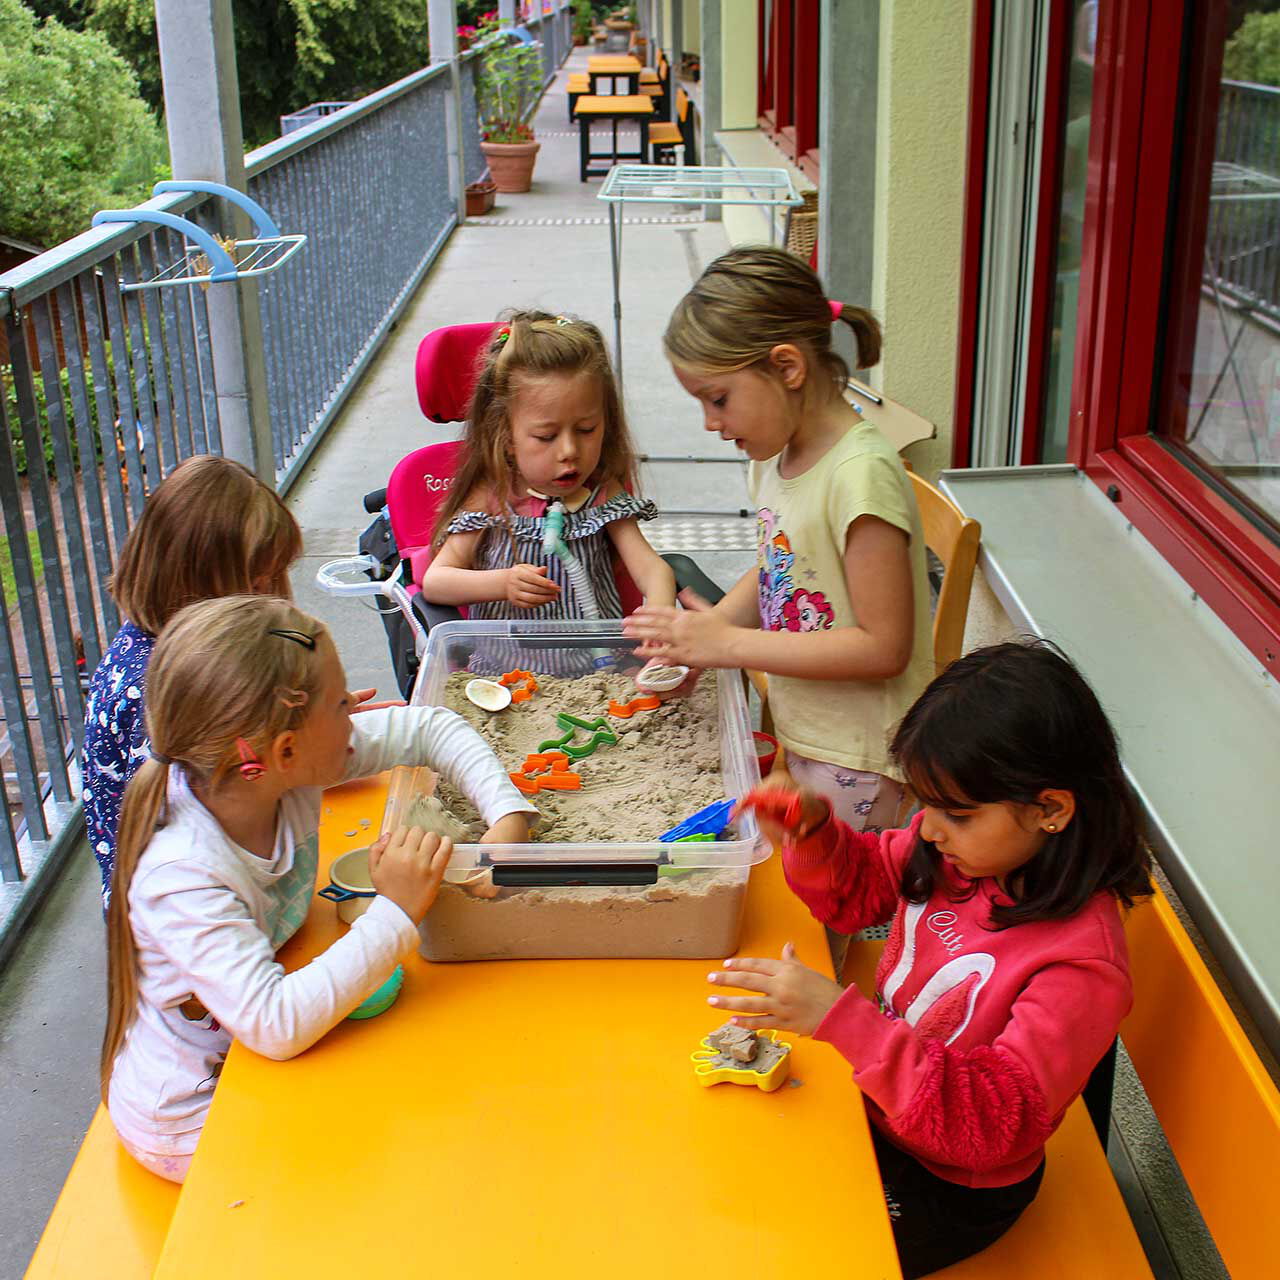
point(766, 752)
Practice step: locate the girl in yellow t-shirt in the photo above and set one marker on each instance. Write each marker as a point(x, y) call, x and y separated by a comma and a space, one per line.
point(837, 609)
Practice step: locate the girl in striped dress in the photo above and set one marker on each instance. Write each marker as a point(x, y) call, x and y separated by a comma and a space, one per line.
point(546, 425)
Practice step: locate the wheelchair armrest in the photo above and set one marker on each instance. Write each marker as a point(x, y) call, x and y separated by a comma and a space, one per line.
point(431, 615)
point(689, 575)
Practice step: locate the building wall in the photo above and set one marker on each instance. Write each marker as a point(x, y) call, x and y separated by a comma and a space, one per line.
point(692, 27)
point(919, 207)
point(738, 54)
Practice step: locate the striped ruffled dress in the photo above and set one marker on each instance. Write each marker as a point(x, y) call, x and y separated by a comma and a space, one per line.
point(511, 539)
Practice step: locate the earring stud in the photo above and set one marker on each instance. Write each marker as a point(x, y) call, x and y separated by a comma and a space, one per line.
point(1052, 828)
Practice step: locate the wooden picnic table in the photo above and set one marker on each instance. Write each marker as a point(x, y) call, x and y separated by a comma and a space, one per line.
point(532, 1118)
point(612, 107)
point(614, 67)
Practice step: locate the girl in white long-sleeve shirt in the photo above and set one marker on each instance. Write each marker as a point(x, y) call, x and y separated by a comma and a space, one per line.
point(249, 720)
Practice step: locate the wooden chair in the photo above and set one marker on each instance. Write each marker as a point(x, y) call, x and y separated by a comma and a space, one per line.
point(657, 83)
point(666, 135)
point(954, 539)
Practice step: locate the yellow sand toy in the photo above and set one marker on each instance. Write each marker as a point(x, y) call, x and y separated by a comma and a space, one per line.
point(734, 1055)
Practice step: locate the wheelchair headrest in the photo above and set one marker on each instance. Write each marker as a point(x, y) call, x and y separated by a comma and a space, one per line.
point(446, 369)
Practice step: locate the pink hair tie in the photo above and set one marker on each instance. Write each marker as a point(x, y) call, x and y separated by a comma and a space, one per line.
point(836, 309)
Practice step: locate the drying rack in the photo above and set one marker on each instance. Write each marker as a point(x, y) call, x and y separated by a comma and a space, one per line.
point(206, 259)
point(685, 185)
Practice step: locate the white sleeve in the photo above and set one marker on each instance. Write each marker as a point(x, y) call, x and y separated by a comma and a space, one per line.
point(208, 933)
point(441, 740)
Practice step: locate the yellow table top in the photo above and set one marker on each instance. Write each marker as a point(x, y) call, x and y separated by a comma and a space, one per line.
point(614, 104)
point(537, 1119)
point(620, 64)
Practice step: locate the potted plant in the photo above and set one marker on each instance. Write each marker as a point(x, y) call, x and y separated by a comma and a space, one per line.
point(583, 23)
point(480, 197)
point(508, 82)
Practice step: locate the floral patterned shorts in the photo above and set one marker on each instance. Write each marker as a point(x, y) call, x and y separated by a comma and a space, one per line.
point(173, 1168)
point(866, 801)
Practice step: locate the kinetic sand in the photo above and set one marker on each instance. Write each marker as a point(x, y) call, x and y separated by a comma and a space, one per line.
point(664, 767)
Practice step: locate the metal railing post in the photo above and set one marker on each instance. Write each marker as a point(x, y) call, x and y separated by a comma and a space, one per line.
point(202, 110)
point(442, 34)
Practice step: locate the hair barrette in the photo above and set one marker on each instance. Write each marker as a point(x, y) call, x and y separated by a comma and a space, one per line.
point(298, 637)
point(562, 322)
point(291, 698)
point(251, 768)
point(502, 335)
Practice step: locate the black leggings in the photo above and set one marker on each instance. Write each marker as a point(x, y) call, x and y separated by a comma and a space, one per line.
point(935, 1222)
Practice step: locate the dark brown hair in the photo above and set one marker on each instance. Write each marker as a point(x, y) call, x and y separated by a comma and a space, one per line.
point(751, 299)
point(211, 529)
point(1001, 725)
point(533, 344)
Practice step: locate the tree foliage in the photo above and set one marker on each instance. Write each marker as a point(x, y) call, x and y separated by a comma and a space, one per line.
point(74, 134)
point(1253, 53)
point(289, 53)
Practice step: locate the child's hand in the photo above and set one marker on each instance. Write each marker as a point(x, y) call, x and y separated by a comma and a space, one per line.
point(407, 866)
point(784, 810)
point(528, 586)
point(687, 638)
point(513, 828)
point(793, 996)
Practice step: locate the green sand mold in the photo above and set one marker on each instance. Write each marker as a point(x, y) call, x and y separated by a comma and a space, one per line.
point(601, 737)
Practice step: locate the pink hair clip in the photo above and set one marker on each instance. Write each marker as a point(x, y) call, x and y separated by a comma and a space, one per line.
point(251, 768)
point(836, 309)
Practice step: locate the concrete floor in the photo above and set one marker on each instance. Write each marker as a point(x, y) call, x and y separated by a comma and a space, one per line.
point(549, 249)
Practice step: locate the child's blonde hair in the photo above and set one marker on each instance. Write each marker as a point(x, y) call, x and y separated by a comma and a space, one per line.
point(241, 667)
point(747, 302)
point(211, 529)
point(532, 344)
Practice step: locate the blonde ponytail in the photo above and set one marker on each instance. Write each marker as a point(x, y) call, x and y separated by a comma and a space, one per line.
point(243, 667)
point(140, 814)
point(750, 300)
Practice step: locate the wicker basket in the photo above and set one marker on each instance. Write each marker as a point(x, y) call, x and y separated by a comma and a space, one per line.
point(802, 226)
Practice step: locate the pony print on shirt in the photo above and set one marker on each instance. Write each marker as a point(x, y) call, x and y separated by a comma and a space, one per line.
point(943, 1005)
point(783, 605)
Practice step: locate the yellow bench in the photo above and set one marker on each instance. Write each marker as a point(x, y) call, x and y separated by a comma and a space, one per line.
point(111, 1218)
point(1218, 1106)
point(579, 84)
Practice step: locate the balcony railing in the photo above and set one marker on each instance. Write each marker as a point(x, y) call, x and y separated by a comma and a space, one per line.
point(1242, 239)
point(105, 391)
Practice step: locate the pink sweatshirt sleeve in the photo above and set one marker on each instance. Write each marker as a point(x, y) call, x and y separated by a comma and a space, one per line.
point(988, 1105)
point(848, 879)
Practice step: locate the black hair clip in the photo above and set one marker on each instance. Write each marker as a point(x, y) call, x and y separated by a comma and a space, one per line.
point(298, 637)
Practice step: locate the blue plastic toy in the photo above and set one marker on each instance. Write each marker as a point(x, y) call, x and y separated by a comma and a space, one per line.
point(383, 998)
point(705, 824)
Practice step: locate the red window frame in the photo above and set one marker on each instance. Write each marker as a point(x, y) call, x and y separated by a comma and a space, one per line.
point(1129, 213)
point(787, 80)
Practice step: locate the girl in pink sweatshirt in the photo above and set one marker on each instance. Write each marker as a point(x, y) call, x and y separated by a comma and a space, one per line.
point(1005, 976)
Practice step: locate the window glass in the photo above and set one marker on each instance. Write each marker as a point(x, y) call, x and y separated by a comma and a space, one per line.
point(1066, 277)
point(1220, 410)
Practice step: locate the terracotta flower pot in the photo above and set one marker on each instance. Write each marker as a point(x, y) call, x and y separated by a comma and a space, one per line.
point(511, 163)
point(479, 198)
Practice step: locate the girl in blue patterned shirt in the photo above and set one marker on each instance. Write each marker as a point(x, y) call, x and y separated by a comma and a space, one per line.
point(211, 529)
